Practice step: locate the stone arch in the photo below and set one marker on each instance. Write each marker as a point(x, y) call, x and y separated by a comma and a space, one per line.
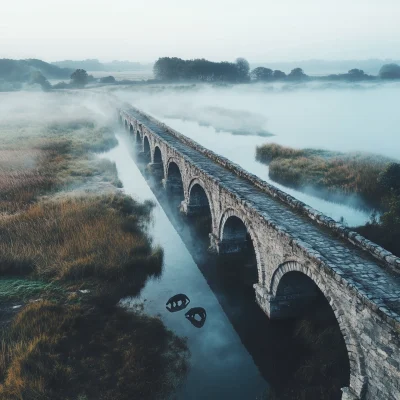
point(229, 213)
point(146, 149)
point(138, 137)
point(126, 125)
point(358, 381)
point(198, 185)
point(157, 158)
point(174, 180)
point(131, 129)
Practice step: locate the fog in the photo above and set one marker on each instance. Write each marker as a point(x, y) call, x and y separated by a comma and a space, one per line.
point(259, 30)
point(343, 117)
point(20, 112)
point(328, 115)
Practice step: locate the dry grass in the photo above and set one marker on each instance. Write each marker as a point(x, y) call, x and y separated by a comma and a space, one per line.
point(23, 178)
point(269, 152)
point(63, 227)
point(60, 157)
point(334, 173)
point(76, 238)
point(60, 351)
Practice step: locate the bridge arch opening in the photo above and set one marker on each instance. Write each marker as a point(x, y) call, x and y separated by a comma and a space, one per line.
point(131, 129)
point(238, 251)
point(157, 166)
point(138, 138)
point(157, 155)
point(126, 125)
point(174, 184)
point(199, 212)
point(319, 350)
point(146, 150)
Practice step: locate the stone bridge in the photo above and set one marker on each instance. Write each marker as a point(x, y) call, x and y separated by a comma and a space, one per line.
point(300, 252)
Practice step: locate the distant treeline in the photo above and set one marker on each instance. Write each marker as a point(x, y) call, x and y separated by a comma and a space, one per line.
point(174, 69)
point(177, 69)
point(96, 65)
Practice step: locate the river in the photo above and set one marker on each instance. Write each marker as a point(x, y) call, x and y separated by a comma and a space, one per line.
point(220, 365)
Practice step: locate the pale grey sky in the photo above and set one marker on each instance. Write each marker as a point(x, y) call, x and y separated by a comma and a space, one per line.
point(143, 30)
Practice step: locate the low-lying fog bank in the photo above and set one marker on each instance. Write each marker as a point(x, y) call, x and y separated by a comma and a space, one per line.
point(327, 115)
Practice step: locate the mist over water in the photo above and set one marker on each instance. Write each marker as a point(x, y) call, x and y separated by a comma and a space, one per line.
point(338, 116)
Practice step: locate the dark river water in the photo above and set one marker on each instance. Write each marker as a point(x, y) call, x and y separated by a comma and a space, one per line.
point(238, 352)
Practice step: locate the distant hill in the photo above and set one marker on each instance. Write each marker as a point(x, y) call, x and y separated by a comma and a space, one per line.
point(88, 65)
point(21, 70)
point(96, 65)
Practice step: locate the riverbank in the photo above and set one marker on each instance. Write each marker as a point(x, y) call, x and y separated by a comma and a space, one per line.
point(336, 175)
point(71, 246)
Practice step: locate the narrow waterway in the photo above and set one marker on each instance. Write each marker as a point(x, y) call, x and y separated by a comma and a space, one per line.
point(237, 353)
point(220, 364)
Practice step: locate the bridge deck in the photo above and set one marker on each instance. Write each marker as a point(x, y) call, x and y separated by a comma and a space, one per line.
point(357, 267)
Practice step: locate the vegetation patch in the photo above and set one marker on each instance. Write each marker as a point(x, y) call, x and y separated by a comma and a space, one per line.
point(375, 179)
point(71, 246)
point(19, 289)
point(336, 173)
point(62, 351)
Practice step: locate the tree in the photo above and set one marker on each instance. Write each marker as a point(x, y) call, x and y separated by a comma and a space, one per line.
point(175, 69)
point(79, 78)
point(243, 68)
point(107, 79)
point(278, 75)
point(261, 74)
point(169, 68)
point(390, 178)
point(390, 71)
point(38, 78)
point(356, 74)
point(297, 74)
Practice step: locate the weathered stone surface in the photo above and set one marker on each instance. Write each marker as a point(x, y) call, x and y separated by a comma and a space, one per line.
point(357, 277)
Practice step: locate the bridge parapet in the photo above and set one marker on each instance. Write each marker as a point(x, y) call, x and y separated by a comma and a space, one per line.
point(387, 258)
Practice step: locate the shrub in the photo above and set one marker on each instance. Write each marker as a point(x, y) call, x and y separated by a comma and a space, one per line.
point(335, 173)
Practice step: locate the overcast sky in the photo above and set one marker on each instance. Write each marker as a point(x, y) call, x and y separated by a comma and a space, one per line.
point(143, 30)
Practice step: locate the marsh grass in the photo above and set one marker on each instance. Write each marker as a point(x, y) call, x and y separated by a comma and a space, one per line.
point(19, 289)
point(76, 238)
point(61, 157)
point(62, 351)
point(333, 172)
point(65, 227)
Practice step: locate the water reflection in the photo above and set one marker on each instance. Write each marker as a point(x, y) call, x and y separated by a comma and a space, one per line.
point(177, 303)
point(197, 316)
point(220, 365)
